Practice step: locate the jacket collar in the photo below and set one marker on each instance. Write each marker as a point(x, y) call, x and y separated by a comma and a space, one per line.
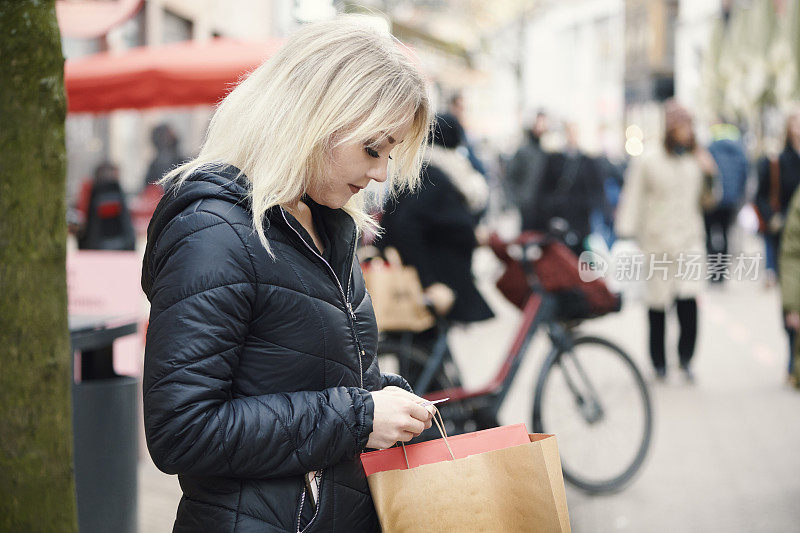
point(341, 233)
point(340, 227)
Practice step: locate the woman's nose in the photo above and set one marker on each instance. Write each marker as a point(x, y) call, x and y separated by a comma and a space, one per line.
point(378, 172)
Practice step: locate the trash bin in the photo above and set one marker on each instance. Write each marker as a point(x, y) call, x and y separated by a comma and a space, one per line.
point(105, 430)
point(104, 414)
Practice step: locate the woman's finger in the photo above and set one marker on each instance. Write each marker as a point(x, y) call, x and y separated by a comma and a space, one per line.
point(419, 412)
point(414, 426)
point(407, 436)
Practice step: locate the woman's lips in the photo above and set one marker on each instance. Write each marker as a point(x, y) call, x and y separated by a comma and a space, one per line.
point(354, 189)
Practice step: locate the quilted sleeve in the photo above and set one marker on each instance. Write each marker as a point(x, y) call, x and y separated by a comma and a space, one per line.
point(394, 380)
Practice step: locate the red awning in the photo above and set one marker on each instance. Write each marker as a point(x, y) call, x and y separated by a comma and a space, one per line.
point(181, 74)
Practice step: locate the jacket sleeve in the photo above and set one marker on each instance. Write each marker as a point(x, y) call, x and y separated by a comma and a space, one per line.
point(394, 380)
point(632, 197)
point(790, 258)
point(202, 301)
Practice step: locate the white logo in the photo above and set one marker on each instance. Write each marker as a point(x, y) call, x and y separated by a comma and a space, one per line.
point(591, 266)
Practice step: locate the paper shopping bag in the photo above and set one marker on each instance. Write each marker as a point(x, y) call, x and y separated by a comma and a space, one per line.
point(396, 294)
point(517, 488)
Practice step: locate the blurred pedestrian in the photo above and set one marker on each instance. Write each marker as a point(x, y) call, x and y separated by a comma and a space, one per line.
point(789, 262)
point(525, 168)
point(613, 176)
point(108, 224)
point(729, 156)
point(435, 230)
point(660, 207)
point(571, 188)
point(165, 141)
point(778, 179)
point(456, 109)
point(261, 383)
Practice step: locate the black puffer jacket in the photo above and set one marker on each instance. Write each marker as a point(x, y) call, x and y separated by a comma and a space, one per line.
point(257, 371)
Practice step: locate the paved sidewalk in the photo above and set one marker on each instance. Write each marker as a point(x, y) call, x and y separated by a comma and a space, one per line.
point(725, 453)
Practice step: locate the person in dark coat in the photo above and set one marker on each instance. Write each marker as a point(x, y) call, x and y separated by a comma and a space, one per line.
point(108, 223)
point(524, 170)
point(434, 230)
point(777, 182)
point(261, 384)
point(733, 167)
point(571, 188)
point(167, 157)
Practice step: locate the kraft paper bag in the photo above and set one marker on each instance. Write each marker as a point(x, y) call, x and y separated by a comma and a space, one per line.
point(519, 488)
point(396, 294)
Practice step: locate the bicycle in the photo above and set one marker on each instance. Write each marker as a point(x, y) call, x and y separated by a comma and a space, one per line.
point(577, 377)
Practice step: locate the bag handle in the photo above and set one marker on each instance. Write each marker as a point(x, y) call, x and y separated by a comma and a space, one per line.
point(442, 431)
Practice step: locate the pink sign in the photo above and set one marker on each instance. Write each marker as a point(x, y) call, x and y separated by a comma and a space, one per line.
point(106, 283)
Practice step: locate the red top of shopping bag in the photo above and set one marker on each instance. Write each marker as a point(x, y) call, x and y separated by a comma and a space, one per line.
point(434, 451)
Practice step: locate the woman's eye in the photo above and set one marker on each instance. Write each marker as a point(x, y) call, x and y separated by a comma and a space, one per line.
point(372, 152)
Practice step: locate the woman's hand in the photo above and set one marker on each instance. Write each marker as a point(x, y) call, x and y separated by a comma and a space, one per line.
point(398, 417)
point(441, 297)
point(706, 161)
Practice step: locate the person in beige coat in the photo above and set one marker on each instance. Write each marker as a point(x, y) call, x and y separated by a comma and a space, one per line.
point(660, 207)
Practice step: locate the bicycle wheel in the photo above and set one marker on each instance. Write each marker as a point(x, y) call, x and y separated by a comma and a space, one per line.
point(594, 399)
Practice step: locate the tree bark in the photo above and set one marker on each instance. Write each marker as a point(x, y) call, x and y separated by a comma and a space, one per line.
point(36, 480)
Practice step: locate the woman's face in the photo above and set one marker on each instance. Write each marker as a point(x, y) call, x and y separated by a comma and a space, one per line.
point(351, 167)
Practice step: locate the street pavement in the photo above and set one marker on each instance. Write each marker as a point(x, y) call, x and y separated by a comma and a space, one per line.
point(725, 454)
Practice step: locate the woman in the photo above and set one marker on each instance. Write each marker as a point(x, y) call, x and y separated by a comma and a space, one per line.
point(434, 231)
point(261, 385)
point(660, 207)
point(777, 180)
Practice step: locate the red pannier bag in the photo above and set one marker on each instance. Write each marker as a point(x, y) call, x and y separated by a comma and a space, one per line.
point(557, 271)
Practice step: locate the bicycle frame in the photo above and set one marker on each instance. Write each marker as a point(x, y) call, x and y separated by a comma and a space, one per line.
point(539, 310)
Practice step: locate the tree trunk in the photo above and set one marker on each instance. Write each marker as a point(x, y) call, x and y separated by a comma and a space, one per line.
point(37, 490)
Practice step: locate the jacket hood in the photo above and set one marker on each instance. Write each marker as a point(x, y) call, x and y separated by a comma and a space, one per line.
point(455, 165)
point(225, 183)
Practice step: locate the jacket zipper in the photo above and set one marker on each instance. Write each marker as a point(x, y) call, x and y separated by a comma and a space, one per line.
point(303, 501)
point(350, 313)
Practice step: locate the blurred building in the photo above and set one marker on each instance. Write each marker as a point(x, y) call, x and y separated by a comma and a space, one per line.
point(574, 66)
point(124, 136)
point(649, 60)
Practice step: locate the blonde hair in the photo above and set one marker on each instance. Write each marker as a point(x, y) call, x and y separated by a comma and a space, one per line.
point(333, 82)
